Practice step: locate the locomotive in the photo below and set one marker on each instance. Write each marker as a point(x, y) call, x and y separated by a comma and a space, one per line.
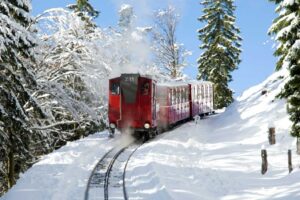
point(140, 104)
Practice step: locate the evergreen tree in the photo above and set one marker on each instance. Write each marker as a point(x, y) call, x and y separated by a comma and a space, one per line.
point(18, 110)
point(83, 6)
point(286, 28)
point(220, 43)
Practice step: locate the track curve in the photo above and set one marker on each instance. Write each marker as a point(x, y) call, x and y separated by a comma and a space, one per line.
point(109, 172)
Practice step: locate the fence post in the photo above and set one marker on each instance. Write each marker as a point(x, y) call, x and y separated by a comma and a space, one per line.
point(298, 145)
point(264, 166)
point(290, 161)
point(272, 139)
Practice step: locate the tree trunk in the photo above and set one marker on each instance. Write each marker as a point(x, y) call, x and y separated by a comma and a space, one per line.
point(11, 169)
point(11, 162)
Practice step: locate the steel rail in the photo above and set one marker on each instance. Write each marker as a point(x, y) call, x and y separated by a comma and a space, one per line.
point(86, 194)
point(109, 169)
point(124, 173)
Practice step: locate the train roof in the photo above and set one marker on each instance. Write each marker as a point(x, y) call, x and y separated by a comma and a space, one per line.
point(172, 84)
point(194, 82)
point(132, 74)
point(182, 83)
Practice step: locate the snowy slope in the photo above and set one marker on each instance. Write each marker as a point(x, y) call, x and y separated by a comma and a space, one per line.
point(63, 174)
point(218, 158)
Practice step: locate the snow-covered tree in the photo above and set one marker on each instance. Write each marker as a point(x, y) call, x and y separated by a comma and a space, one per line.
point(19, 112)
point(83, 6)
point(129, 47)
point(221, 45)
point(70, 70)
point(126, 17)
point(286, 28)
point(170, 55)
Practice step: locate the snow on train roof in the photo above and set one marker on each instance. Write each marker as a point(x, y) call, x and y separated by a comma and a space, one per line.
point(199, 82)
point(181, 83)
point(172, 84)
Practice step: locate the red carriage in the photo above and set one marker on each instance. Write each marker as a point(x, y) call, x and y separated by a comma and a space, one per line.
point(139, 104)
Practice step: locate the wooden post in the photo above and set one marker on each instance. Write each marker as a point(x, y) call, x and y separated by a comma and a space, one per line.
point(298, 145)
point(272, 139)
point(290, 161)
point(264, 166)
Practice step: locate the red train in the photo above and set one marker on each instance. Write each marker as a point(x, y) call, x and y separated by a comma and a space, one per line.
point(140, 104)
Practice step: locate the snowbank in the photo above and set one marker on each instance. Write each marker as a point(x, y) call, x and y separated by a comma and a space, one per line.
point(220, 157)
point(63, 174)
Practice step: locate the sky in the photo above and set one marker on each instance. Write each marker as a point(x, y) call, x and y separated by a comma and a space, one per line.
point(254, 18)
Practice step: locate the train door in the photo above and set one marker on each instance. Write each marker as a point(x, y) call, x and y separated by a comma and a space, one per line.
point(114, 101)
point(129, 100)
point(154, 104)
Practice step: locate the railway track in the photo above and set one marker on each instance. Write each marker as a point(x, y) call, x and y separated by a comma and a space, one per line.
point(107, 180)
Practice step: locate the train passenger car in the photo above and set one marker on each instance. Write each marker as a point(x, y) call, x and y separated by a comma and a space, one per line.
point(201, 99)
point(173, 100)
point(132, 104)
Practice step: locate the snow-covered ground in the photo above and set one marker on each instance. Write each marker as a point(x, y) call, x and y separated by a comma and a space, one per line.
point(217, 158)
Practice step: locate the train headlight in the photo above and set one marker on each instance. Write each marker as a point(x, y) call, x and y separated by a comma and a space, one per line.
point(112, 125)
point(147, 125)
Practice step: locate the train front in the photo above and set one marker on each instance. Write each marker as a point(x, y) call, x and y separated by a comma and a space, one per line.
point(132, 105)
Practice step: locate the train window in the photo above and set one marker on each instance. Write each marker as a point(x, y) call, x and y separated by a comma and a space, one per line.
point(187, 95)
point(115, 88)
point(180, 95)
point(173, 96)
point(177, 95)
point(202, 91)
point(146, 88)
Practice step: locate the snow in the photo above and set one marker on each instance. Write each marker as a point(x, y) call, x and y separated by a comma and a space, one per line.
point(62, 174)
point(217, 158)
point(288, 2)
point(220, 157)
point(296, 45)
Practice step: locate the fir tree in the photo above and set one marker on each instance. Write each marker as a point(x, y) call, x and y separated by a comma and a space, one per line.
point(18, 110)
point(286, 28)
point(83, 6)
point(220, 43)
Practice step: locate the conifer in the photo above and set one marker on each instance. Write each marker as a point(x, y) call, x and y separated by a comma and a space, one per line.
point(221, 45)
point(18, 110)
point(286, 29)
